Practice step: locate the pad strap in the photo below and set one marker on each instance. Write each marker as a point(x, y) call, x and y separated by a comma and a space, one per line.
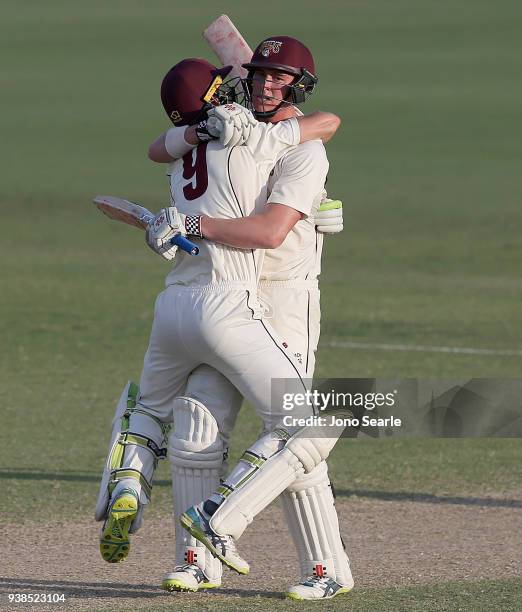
point(254, 461)
point(126, 438)
point(121, 473)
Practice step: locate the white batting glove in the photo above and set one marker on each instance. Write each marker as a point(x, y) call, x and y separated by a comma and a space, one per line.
point(329, 217)
point(231, 123)
point(165, 225)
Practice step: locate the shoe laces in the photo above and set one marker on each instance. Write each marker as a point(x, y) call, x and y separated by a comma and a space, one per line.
point(229, 542)
point(184, 567)
point(192, 568)
point(187, 567)
point(319, 581)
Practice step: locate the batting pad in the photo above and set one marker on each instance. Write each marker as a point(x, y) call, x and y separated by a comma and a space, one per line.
point(137, 442)
point(196, 456)
point(310, 512)
point(246, 499)
point(128, 395)
point(238, 510)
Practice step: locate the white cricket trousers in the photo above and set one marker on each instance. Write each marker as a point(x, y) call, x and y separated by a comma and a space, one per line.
point(219, 325)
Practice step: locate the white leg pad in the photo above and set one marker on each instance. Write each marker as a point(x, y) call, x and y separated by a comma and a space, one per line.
point(102, 503)
point(137, 442)
point(196, 453)
point(252, 459)
point(238, 510)
point(309, 509)
point(313, 444)
point(246, 498)
point(140, 458)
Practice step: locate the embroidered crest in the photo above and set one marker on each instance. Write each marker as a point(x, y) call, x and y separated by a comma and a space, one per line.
point(270, 46)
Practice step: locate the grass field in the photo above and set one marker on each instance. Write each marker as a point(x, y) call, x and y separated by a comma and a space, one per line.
point(427, 163)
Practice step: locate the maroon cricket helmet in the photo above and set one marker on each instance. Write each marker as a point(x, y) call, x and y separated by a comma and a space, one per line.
point(189, 89)
point(288, 55)
point(282, 53)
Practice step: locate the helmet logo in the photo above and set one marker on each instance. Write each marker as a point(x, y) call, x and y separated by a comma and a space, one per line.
point(270, 46)
point(175, 116)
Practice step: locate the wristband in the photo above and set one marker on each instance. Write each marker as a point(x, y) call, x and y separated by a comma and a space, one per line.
point(193, 225)
point(175, 143)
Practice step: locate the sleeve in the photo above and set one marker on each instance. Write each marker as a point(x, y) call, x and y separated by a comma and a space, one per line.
point(269, 140)
point(302, 177)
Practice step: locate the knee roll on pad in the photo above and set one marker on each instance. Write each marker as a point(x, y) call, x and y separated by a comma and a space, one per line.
point(311, 444)
point(318, 476)
point(194, 439)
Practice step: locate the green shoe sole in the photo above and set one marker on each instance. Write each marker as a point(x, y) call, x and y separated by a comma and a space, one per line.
point(114, 540)
point(296, 597)
point(178, 585)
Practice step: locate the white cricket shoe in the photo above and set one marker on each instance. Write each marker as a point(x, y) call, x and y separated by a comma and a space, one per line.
point(187, 577)
point(196, 521)
point(316, 588)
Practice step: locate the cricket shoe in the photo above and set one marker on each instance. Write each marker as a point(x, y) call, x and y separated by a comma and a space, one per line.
point(196, 521)
point(114, 540)
point(316, 588)
point(188, 577)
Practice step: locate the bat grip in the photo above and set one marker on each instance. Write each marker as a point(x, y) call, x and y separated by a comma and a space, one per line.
point(184, 244)
point(146, 218)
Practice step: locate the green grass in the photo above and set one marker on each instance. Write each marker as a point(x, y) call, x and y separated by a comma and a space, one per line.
point(486, 596)
point(427, 163)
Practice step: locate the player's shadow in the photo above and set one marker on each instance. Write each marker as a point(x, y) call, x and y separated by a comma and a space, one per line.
point(75, 476)
point(103, 590)
point(63, 475)
point(427, 498)
point(72, 589)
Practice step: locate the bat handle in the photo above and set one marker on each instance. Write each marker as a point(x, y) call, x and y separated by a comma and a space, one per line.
point(185, 244)
point(147, 218)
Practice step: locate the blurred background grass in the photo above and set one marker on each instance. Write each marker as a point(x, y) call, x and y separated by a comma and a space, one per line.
point(428, 165)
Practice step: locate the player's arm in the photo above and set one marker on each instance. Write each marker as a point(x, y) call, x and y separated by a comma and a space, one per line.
point(173, 144)
point(318, 126)
point(232, 124)
point(303, 175)
point(265, 230)
point(268, 229)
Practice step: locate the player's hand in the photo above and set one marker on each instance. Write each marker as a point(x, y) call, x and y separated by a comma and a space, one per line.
point(329, 217)
point(165, 225)
point(209, 129)
point(231, 123)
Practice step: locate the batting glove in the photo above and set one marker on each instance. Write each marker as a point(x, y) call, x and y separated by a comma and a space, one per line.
point(329, 217)
point(209, 129)
point(167, 224)
point(233, 124)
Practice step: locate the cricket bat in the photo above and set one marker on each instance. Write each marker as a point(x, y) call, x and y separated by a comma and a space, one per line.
point(137, 215)
point(227, 43)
